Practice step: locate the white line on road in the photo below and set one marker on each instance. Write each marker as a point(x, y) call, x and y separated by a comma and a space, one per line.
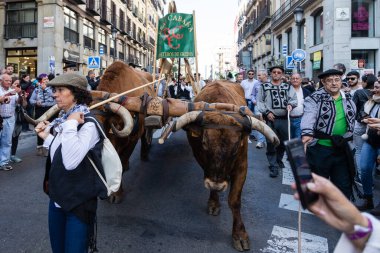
point(288, 202)
point(286, 240)
point(287, 176)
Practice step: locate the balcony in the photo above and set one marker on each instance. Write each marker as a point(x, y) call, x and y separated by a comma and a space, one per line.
point(17, 31)
point(285, 11)
point(105, 16)
point(93, 7)
point(248, 30)
point(129, 6)
point(135, 11)
point(263, 17)
point(79, 1)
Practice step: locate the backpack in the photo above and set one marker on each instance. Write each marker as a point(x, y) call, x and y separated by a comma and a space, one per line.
point(112, 167)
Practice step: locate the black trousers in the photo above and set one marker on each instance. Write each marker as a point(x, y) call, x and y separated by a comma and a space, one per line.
point(331, 163)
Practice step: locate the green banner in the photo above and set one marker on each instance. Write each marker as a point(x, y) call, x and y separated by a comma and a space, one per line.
point(175, 37)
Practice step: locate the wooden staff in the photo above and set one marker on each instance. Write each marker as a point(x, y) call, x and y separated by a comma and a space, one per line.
point(198, 88)
point(165, 134)
point(121, 94)
point(155, 52)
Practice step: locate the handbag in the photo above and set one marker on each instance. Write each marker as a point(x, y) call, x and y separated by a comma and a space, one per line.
point(112, 167)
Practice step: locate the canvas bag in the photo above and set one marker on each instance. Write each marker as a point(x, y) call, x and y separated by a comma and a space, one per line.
point(113, 169)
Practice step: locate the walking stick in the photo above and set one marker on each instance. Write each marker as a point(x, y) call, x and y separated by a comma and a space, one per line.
point(299, 204)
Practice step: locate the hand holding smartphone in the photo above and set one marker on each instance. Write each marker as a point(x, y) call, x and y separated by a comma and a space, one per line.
point(301, 171)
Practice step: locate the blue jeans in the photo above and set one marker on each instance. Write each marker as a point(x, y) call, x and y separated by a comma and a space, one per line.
point(259, 136)
point(367, 164)
point(295, 127)
point(6, 139)
point(68, 234)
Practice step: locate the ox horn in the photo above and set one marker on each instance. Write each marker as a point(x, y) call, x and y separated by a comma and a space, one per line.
point(29, 119)
point(46, 116)
point(185, 119)
point(126, 117)
point(265, 130)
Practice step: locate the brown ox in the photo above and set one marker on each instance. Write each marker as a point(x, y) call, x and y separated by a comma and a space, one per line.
point(219, 141)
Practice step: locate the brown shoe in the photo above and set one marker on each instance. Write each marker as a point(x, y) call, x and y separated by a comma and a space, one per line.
point(367, 204)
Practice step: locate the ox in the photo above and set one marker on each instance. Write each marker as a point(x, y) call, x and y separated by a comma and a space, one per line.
point(219, 141)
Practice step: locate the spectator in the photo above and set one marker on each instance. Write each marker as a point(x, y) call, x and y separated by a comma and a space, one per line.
point(92, 81)
point(8, 99)
point(18, 121)
point(296, 113)
point(201, 82)
point(70, 68)
point(262, 78)
point(27, 87)
point(9, 70)
point(360, 98)
point(274, 101)
point(327, 126)
point(239, 77)
point(247, 85)
point(361, 231)
point(353, 82)
point(342, 68)
point(42, 99)
point(308, 85)
point(183, 90)
point(173, 88)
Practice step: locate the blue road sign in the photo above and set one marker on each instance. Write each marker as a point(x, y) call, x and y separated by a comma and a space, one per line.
point(290, 63)
point(299, 55)
point(101, 50)
point(93, 62)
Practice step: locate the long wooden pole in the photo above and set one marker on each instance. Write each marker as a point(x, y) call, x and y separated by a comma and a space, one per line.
point(196, 55)
point(122, 94)
point(155, 52)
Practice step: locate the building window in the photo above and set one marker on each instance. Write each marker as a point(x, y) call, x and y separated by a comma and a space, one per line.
point(279, 39)
point(362, 16)
point(365, 59)
point(102, 39)
point(71, 26)
point(318, 28)
point(21, 20)
point(88, 34)
point(303, 35)
point(290, 41)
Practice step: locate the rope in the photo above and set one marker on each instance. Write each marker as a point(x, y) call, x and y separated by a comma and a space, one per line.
point(299, 204)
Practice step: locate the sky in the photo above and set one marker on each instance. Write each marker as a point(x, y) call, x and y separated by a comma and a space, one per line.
point(214, 24)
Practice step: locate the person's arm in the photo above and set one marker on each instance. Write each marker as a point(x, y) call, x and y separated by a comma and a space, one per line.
point(76, 144)
point(260, 100)
point(308, 119)
point(33, 98)
point(254, 93)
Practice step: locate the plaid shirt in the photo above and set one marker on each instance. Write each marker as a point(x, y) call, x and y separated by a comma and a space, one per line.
point(8, 110)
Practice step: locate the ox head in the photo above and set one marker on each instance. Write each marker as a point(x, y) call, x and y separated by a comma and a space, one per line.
point(219, 141)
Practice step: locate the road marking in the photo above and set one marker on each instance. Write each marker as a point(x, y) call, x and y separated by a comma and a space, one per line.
point(287, 176)
point(286, 240)
point(288, 202)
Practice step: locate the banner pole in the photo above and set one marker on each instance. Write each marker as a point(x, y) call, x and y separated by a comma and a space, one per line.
point(196, 55)
point(155, 53)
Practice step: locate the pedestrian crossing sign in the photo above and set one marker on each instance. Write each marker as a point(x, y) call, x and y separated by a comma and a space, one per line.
point(290, 63)
point(93, 62)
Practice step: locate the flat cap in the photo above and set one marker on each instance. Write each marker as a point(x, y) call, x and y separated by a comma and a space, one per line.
point(330, 72)
point(277, 67)
point(69, 79)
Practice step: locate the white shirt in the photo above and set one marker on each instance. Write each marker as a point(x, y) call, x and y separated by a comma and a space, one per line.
point(75, 144)
point(247, 86)
point(298, 111)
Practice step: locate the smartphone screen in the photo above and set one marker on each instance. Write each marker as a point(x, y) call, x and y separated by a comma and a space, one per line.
point(301, 171)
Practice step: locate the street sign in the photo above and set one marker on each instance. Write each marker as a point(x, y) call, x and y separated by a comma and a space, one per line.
point(101, 50)
point(93, 62)
point(290, 63)
point(285, 49)
point(299, 55)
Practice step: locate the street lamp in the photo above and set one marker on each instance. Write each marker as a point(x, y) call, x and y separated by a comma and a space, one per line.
point(298, 15)
point(250, 48)
point(114, 33)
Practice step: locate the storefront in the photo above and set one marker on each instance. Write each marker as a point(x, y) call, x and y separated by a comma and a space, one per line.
point(24, 60)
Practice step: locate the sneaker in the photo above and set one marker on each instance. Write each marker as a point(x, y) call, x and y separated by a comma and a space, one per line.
point(281, 164)
point(6, 167)
point(260, 145)
point(273, 171)
point(15, 159)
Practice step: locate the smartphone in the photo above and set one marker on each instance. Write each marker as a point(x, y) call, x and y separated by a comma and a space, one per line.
point(301, 171)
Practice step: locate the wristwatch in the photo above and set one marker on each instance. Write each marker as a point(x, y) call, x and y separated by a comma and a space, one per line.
point(360, 231)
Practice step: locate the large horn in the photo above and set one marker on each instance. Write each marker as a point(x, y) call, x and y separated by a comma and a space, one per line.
point(29, 119)
point(265, 130)
point(49, 113)
point(185, 119)
point(127, 120)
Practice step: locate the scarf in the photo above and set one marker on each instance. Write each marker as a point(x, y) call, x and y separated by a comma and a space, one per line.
point(376, 99)
point(62, 116)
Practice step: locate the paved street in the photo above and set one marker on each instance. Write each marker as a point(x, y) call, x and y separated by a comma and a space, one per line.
point(164, 208)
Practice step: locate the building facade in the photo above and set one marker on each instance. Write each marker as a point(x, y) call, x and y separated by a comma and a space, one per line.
point(330, 31)
point(45, 35)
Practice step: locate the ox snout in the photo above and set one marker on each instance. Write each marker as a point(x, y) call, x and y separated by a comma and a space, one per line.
point(212, 185)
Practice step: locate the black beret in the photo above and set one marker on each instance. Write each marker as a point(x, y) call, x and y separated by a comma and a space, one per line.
point(277, 67)
point(330, 72)
point(70, 65)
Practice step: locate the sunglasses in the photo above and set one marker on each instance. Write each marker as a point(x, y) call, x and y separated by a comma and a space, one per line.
point(250, 74)
point(351, 78)
point(276, 72)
